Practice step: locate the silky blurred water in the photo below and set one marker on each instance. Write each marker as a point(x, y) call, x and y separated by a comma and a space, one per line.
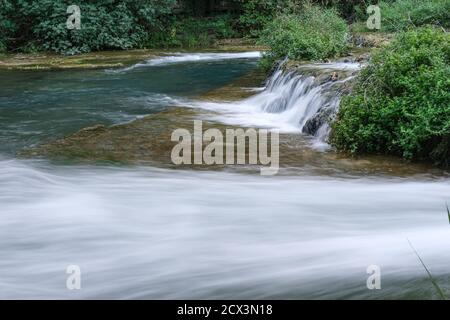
point(154, 233)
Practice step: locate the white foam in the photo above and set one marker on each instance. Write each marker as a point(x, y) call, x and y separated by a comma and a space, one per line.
point(192, 57)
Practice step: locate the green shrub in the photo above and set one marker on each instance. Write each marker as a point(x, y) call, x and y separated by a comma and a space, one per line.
point(190, 32)
point(313, 33)
point(256, 14)
point(105, 24)
point(406, 13)
point(402, 14)
point(401, 102)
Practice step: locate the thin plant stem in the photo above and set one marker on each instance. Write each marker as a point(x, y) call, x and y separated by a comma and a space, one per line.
point(433, 281)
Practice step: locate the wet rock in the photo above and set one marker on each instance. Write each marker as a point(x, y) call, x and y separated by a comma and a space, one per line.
point(324, 117)
point(334, 76)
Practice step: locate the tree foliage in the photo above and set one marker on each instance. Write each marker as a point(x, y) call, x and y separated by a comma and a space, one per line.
point(192, 32)
point(106, 24)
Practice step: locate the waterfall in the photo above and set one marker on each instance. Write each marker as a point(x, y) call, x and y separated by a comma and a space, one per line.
point(304, 99)
point(308, 99)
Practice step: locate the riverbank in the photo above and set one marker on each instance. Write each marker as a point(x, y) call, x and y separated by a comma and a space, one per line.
point(362, 44)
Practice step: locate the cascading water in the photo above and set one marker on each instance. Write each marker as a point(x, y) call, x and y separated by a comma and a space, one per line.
point(305, 100)
point(300, 100)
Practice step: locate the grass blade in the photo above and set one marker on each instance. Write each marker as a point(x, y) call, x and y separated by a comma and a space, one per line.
point(433, 281)
point(448, 213)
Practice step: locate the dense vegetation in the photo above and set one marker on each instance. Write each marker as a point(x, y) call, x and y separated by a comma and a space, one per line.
point(311, 33)
point(256, 14)
point(106, 24)
point(192, 32)
point(36, 25)
point(403, 14)
point(400, 15)
point(401, 102)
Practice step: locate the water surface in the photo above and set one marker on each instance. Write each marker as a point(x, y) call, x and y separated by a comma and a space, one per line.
point(150, 232)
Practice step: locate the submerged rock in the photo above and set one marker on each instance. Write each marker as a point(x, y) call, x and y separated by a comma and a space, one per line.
point(143, 141)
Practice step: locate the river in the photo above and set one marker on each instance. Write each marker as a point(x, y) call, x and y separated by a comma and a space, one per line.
point(152, 232)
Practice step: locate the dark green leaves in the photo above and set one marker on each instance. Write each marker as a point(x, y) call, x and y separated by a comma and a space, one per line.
point(105, 24)
point(401, 102)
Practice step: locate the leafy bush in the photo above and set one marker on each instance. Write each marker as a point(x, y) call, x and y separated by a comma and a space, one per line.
point(401, 102)
point(256, 14)
point(190, 32)
point(106, 24)
point(402, 14)
point(347, 8)
point(406, 13)
point(313, 33)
